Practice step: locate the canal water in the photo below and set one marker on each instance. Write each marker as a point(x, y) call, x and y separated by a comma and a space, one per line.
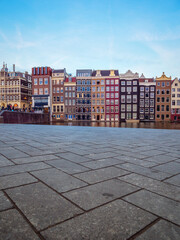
point(155, 125)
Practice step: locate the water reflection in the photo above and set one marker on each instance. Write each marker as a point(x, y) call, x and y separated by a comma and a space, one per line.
point(158, 125)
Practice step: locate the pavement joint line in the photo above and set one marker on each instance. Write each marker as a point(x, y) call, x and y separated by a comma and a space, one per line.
point(24, 217)
point(137, 234)
point(167, 220)
point(54, 190)
point(87, 211)
point(4, 210)
point(141, 173)
point(22, 185)
point(151, 190)
point(169, 178)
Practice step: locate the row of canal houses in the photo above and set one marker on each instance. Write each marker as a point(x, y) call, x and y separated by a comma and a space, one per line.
point(105, 95)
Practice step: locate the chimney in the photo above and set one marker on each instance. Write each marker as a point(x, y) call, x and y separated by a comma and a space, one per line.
point(13, 67)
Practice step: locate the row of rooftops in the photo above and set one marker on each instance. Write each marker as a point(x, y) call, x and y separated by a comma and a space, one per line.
point(85, 73)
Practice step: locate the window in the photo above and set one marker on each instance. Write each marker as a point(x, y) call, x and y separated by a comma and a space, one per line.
point(178, 89)
point(107, 89)
point(57, 108)
point(40, 81)
point(35, 81)
point(163, 84)
point(167, 91)
point(107, 101)
point(134, 107)
point(41, 91)
point(134, 89)
point(158, 108)
point(178, 102)
point(167, 99)
point(123, 83)
point(112, 89)
point(163, 91)
point(116, 88)
point(141, 110)
point(54, 108)
point(167, 108)
point(151, 95)
point(123, 107)
point(93, 82)
point(122, 89)
point(46, 91)
point(173, 89)
point(146, 89)
point(151, 102)
point(123, 98)
point(128, 82)
point(122, 115)
point(152, 89)
point(107, 109)
point(134, 98)
point(61, 98)
point(134, 82)
point(116, 95)
point(167, 83)
point(173, 102)
point(141, 95)
point(128, 98)
point(57, 99)
point(107, 81)
point(158, 92)
point(141, 102)
point(116, 81)
point(102, 89)
point(158, 83)
point(134, 115)
point(46, 81)
point(112, 95)
point(162, 99)
point(146, 102)
point(142, 89)
point(35, 91)
point(128, 107)
point(112, 81)
point(93, 89)
point(102, 82)
point(128, 89)
point(162, 107)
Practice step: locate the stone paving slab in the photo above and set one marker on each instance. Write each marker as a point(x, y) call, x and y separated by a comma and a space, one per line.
point(102, 163)
point(101, 174)
point(14, 227)
point(41, 205)
point(73, 157)
point(35, 159)
point(22, 168)
point(153, 185)
point(174, 180)
point(162, 230)
point(100, 193)
point(58, 180)
point(4, 161)
point(153, 173)
point(4, 202)
point(16, 180)
point(67, 166)
point(161, 206)
point(171, 167)
point(116, 220)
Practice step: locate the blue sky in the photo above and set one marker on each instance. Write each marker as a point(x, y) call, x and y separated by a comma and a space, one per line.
point(141, 35)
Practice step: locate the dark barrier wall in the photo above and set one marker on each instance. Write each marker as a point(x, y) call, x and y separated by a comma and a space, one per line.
point(23, 117)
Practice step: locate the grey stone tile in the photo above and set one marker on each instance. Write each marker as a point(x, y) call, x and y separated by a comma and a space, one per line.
point(102, 155)
point(134, 154)
point(102, 163)
point(67, 166)
point(136, 161)
point(158, 187)
point(4, 202)
point(162, 230)
point(13, 153)
point(156, 204)
point(101, 174)
point(42, 211)
point(153, 173)
point(74, 157)
point(116, 220)
point(35, 159)
point(22, 168)
point(172, 168)
point(14, 227)
point(58, 180)
point(174, 180)
point(160, 158)
point(16, 180)
point(152, 152)
point(100, 193)
point(4, 161)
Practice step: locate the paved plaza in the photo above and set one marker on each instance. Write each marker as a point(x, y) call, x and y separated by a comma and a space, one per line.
point(89, 183)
